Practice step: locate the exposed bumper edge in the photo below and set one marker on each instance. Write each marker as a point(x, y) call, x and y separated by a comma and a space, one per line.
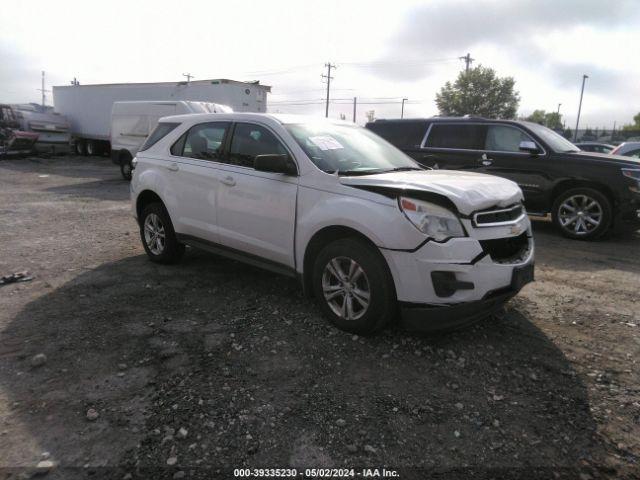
point(431, 318)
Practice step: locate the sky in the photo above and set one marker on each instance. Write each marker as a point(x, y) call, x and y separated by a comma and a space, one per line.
point(383, 51)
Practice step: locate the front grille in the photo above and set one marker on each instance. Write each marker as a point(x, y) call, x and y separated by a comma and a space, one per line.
point(490, 218)
point(507, 250)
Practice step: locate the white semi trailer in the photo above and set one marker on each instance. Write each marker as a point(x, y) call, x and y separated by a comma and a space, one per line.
point(88, 107)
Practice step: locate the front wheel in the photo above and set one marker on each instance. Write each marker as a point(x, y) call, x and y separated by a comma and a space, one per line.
point(353, 286)
point(158, 236)
point(582, 213)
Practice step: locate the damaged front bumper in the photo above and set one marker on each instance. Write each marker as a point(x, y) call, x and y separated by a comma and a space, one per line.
point(446, 285)
point(434, 317)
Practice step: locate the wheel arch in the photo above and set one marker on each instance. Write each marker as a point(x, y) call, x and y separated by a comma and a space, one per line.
point(319, 240)
point(145, 198)
point(568, 184)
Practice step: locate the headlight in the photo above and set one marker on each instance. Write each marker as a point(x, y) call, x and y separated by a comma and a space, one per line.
point(432, 220)
point(632, 173)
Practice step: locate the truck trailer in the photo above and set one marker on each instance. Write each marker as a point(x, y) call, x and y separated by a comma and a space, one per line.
point(88, 107)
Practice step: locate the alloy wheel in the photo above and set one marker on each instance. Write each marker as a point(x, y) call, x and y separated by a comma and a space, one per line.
point(580, 214)
point(346, 288)
point(154, 234)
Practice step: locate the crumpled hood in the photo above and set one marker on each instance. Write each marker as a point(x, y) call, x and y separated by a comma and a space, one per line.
point(467, 190)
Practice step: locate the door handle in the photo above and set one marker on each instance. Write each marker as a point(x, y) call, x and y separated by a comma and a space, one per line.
point(173, 167)
point(228, 180)
point(486, 161)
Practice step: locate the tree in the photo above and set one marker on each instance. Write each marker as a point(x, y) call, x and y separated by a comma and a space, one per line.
point(568, 134)
point(479, 92)
point(552, 120)
point(635, 125)
point(538, 116)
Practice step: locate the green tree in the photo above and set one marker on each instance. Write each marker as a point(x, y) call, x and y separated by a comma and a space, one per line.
point(479, 92)
point(552, 120)
point(635, 125)
point(568, 134)
point(538, 116)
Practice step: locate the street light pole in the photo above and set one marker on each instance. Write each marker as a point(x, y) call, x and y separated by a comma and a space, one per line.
point(402, 111)
point(559, 108)
point(575, 134)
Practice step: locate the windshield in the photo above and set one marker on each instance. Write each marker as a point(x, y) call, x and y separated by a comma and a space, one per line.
point(349, 150)
point(556, 142)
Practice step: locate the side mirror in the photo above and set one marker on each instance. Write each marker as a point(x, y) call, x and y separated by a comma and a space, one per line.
point(275, 163)
point(531, 147)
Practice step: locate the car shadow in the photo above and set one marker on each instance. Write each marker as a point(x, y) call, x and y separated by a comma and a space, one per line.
point(244, 363)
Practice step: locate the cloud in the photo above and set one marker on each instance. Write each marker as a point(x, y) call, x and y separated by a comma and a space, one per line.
point(448, 29)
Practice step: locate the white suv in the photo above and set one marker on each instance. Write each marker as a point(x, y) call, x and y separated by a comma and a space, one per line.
point(365, 229)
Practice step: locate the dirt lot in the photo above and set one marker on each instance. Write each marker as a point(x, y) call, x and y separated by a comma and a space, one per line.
point(210, 365)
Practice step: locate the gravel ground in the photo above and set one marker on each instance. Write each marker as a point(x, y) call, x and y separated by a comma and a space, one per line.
point(114, 367)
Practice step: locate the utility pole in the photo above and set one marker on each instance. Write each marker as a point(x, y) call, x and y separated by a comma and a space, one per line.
point(329, 78)
point(43, 90)
point(468, 61)
point(575, 134)
point(355, 100)
point(558, 112)
point(189, 76)
point(402, 111)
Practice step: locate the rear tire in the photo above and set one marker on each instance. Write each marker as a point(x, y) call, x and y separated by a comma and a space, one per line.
point(353, 286)
point(126, 168)
point(582, 213)
point(92, 148)
point(81, 147)
point(158, 236)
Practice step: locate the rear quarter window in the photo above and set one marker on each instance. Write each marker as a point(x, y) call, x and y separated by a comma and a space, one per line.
point(161, 131)
point(400, 134)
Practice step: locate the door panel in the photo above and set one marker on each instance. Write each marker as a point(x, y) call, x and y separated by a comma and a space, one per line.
point(194, 168)
point(504, 159)
point(256, 210)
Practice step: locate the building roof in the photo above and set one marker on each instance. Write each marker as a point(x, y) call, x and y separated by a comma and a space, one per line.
point(212, 81)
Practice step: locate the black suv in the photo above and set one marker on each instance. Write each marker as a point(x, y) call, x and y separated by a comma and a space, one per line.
point(586, 193)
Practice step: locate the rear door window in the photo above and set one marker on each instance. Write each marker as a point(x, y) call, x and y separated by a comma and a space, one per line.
point(456, 136)
point(204, 141)
point(161, 130)
point(504, 138)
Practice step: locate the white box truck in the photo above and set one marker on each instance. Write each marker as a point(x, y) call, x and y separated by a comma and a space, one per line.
point(88, 107)
point(133, 122)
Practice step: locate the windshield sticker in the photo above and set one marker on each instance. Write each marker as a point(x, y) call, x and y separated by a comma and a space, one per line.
point(325, 142)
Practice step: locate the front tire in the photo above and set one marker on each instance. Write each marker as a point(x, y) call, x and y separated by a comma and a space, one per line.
point(158, 236)
point(353, 286)
point(582, 213)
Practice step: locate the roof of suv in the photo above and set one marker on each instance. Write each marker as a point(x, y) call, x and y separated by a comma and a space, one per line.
point(247, 116)
point(444, 119)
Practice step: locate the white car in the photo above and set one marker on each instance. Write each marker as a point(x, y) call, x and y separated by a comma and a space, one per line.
point(365, 229)
point(627, 149)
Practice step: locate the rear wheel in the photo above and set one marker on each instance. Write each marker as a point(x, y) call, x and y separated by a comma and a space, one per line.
point(158, 236)
point(126, 168)
point(81, 147)
point(582, 213)
point(92, 148)
point(353, 286)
